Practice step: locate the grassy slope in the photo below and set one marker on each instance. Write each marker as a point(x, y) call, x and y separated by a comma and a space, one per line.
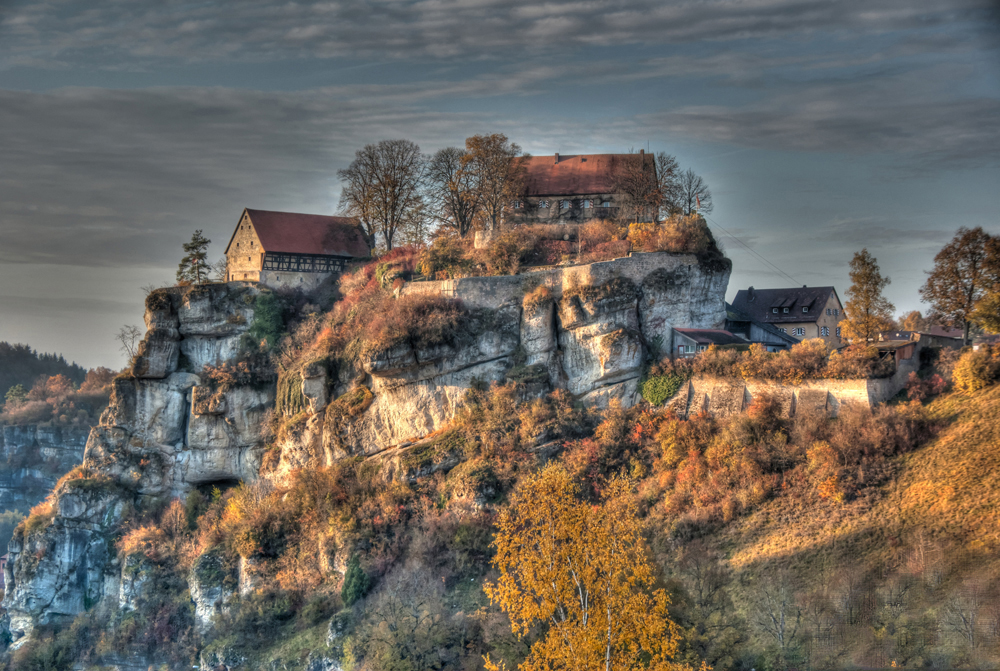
point(946, 494)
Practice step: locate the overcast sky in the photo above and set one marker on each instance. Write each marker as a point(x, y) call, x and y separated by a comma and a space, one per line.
point(821, 126)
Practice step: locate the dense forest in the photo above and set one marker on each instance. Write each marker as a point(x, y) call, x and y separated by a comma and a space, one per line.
point(19, 364)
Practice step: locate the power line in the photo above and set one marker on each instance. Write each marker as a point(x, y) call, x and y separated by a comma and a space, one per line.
point(747, 247)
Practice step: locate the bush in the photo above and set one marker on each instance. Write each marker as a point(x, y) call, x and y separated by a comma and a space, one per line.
point(977, 369)
point(678, 234)
point(356, 582)
point(658, 389)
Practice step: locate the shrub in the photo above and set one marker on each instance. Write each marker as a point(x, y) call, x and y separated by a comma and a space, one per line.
point(658, 389)
point(268, 323)
point(446, 257)
point(687, 234)
point(356, 582)
point(977, 369)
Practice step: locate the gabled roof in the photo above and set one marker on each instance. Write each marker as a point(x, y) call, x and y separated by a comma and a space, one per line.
point(712, 337)
point(734, 315)
point(759, 304)
point(577, 175)
point(294, 233)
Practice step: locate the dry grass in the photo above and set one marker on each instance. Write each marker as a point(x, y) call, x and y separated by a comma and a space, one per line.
point(946, 493)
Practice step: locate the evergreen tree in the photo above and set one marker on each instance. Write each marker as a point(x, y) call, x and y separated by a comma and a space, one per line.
point(868, 311)
point(193, 268)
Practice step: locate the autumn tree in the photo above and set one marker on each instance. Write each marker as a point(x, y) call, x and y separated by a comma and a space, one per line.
point(987, 311)
point(193, 268)
point(452, 192)
point(965, 271)
point(497, 167)
point(382, 188)
point(693, 194)
point(649, 187)
point(581, 571)
point(914, 321)
point(867, 311)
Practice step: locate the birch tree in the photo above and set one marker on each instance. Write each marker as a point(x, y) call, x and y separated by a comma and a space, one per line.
point(582, 570)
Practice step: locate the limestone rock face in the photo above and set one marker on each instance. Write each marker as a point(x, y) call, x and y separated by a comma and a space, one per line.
point(586, 329)
point(33, 458)
point(208, 591)
point(166, 430)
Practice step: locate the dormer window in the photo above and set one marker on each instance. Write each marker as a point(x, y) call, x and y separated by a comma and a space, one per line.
point(805, 309)
point(774, 310)
point(785, 310)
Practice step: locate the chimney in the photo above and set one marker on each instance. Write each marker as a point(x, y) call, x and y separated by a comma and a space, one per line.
point(750, 295)
point(641, 152)
point(557, 157)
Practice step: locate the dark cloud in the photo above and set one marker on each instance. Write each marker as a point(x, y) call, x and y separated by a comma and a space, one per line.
point(127, 34)
point(907, 115)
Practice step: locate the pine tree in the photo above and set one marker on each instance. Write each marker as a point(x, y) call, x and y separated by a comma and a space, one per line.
point(193, 268)
point(868, 311)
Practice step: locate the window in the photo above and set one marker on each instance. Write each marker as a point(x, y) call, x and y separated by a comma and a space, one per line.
point(565, 204)
point(689, 349)
point(836, 312)
point(516, 205)
point(783, 330)
point(785, 310)
point(825, 331)
point(702, 348)
point(799, 332)
point(605, 203)
point(774, 310)
point(543, 204)
point(587, 204)
point(838, 331)
point(805, 309)
point(829, 311)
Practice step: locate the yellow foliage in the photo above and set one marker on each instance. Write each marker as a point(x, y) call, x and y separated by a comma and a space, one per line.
point(583, 570)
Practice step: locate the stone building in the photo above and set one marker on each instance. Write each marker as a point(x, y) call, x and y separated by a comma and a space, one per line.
point(572, 189)
point(286, 249)
point(806, 312)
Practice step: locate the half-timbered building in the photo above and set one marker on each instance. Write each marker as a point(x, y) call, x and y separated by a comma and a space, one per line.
point(287, 249)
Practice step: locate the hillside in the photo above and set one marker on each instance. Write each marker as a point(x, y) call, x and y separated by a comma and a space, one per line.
point(279, 485)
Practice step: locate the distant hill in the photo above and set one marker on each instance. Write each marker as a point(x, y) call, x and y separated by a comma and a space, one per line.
point(19, 364)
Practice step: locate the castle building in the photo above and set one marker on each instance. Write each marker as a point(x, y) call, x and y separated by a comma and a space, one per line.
point(573, 189)
point(287, 249)
point(807, 312)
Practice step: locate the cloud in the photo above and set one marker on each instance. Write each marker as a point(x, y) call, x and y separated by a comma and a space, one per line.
point(118, 34)
point(913, 114)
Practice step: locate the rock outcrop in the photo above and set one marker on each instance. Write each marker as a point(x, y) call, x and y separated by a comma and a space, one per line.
point(587, 329)
point(170, 426)
point(167, 429)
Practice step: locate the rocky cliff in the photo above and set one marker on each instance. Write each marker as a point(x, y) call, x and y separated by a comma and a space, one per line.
point(587, 329)
point(34, 457)
point(172, 426)
point(167, 429)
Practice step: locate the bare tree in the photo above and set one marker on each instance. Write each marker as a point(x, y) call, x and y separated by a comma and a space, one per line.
point(648, 187)
point(452, 192)
point(497, 168)
point(220, 269)
point(693, 194)
point(128, 341)
point(963, 612)
point(776, 613)
point(382, 188)
point(405, 624)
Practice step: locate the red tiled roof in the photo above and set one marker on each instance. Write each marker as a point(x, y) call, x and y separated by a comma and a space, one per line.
point(573, 175)
point(294, 233)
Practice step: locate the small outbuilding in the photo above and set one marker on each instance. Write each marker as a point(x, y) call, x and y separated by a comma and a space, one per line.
point(688, 342)
point(288, 249)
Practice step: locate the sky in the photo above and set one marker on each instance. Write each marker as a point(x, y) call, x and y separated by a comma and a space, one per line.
point(821, 126)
